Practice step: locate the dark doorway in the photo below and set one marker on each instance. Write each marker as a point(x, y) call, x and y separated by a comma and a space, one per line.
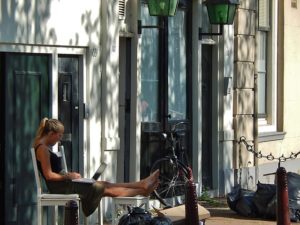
point(70, 108)
point(124, 108)
point(207, 116)
point(25, 97)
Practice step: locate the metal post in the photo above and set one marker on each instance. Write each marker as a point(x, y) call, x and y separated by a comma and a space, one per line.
point(71, 213)
point(283, 217)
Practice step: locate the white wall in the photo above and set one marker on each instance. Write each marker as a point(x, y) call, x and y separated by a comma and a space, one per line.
point(54, 22)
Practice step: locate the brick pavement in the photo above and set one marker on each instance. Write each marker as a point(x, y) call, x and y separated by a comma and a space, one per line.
point(224, 216)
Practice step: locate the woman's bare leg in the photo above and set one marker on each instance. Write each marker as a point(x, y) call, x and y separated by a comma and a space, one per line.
point(113, 191)
point(144, 187)
point(146, 183)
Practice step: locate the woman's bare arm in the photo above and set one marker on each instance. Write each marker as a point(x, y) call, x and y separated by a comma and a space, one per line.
point(43, 156)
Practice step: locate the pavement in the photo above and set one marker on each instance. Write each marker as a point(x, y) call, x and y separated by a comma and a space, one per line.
point(224, 216)
point(221, 214)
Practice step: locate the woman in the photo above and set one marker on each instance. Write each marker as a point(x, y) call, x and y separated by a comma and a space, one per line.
point(48, 134)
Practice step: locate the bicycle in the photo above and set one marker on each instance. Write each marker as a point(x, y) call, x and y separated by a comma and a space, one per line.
point(174, 168)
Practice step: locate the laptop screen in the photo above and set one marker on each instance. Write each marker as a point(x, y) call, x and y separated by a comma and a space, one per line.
point(99, 171)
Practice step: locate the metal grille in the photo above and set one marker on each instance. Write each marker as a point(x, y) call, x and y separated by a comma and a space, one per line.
point(121, 9)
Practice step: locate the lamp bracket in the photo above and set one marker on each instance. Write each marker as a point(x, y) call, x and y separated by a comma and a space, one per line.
point(140, 27)
point(210, 34)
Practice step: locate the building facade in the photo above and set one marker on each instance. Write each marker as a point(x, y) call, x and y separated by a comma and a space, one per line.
point(117, 85)
point(265, 98)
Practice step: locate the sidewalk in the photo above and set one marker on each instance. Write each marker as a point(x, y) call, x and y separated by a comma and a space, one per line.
point(221, 215)
point(224, 216)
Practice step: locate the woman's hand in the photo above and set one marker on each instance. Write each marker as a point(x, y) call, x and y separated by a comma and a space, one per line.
point(72, 175)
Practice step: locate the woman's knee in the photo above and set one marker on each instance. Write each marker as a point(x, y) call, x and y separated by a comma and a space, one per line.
point(105, 184)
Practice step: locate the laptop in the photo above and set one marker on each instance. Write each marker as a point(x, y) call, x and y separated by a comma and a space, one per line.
point(95, 177)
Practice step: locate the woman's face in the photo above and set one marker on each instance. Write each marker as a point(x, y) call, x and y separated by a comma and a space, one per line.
point(55, 137)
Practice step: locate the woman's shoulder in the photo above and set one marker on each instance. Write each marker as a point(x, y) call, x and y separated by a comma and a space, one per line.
point(41, 148)
point(37, 146)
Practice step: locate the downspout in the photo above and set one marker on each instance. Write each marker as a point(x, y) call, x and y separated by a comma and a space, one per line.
point(255, 127)
point(280, 66)
point(255, 130)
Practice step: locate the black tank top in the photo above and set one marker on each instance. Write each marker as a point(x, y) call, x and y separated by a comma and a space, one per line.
point(55, 162)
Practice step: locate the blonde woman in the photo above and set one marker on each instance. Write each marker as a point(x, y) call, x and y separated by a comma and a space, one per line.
point(48, 134)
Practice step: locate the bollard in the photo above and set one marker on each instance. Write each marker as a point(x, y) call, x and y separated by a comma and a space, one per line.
point(283, 217)
point(71, 213)
point(191, 202)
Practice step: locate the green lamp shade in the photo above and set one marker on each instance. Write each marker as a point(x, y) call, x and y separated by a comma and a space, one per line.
point(221, 12)
point(162, 7)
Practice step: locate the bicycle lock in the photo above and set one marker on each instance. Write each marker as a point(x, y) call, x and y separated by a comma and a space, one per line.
point(282, 208)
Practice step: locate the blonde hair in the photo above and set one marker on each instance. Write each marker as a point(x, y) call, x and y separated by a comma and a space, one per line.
point(46, 126)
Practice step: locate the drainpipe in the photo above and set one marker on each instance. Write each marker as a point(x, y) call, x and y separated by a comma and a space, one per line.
point(255, 130)
point(255, 127)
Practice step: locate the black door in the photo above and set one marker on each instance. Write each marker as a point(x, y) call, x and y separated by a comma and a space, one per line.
point(124, 109)
point(25, 98)
point(70, 108)
point(206, 116)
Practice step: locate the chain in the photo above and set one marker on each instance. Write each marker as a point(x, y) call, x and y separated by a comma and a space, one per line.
point(270, 157)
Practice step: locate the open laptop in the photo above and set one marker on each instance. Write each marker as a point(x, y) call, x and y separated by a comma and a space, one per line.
point(95, 177)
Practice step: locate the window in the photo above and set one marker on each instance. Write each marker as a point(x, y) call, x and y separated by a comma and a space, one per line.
point(164, 68)
point(165, 65)
point(177, 102)
point(150, 80)
point(266, 61)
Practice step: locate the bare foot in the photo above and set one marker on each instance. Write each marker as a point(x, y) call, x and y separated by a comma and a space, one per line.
point(155, 174)
point(151, 183)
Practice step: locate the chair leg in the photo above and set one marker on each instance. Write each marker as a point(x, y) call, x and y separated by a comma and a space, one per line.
point(39, 213)
point(114, 211)
point(100, 219)
point(53, 214)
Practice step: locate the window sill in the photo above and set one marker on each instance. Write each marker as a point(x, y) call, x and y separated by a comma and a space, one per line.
point(271, 136)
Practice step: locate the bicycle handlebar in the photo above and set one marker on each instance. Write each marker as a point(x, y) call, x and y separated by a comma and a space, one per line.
point(174, 126)
point(173, 133)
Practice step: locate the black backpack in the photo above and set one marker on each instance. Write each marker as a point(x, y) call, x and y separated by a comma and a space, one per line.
point(136, 216)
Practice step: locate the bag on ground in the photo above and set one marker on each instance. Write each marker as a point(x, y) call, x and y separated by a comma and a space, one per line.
point(161, 220)
point(136, 216)
point(241, 201)
point(294, 195)
point(264, 194)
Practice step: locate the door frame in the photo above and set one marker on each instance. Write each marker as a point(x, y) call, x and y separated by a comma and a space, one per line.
point(53, 52)
point(2, 122)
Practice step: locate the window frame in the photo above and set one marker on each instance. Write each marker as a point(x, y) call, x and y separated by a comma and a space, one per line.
point(163, 67)
point(268, 123)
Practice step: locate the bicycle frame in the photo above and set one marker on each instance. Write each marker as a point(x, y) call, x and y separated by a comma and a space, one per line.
point(174, 170)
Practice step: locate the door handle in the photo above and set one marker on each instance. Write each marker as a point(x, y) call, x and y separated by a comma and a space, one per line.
point(13, 190)
point(168, 116)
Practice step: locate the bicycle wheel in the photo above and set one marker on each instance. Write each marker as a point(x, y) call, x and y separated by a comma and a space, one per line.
point(172, 179)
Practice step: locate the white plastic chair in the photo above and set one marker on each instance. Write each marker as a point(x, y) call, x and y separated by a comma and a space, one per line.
point(46, 199)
